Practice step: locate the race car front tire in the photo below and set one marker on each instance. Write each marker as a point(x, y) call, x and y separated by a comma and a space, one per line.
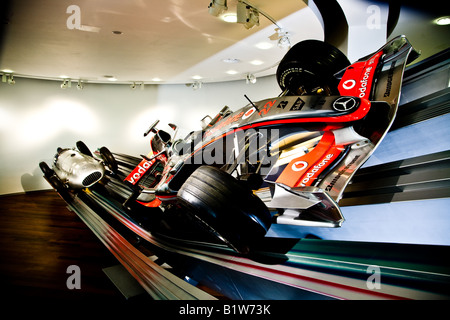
point(57, 184)
point(311, 64)
point(225, 207)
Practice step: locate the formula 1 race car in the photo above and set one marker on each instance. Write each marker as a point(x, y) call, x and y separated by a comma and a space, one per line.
point(293, 154)
point(285, 159)
point(76, 169)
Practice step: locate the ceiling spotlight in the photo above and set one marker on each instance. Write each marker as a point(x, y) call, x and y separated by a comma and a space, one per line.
point(442, 21)
point(247, 15)
point(80, 85)
point(216, 7)
point(110, 78)
point(283, 38)
point(231, 60)
point(229, 17)
point(250, 78)
point(256, 62)
point(11, 80)
point(264, 45)
point(133, 85)
point(284, 42)
point(196, 85)
point(66, 84)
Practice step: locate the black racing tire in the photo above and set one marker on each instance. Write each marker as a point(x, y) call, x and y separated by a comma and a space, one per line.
point(311, 64)
point(56, 183)
point(81, 146)
point(225, 207)
point(109, 159)
point(46, 169)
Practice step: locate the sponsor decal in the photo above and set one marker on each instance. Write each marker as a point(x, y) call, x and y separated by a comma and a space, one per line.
point(282, 104)
point(344, 103)
point(139, 171)
point(349, 84)
point(242, 115)
point(267, 107)
point(248, 113)
point(363, 82)
point(340, 173)
point(387, 93)
point(314, 170)
point(225, 122)
point(363, 72)
point(366, 81)
point(298, 105)
point(299, 165)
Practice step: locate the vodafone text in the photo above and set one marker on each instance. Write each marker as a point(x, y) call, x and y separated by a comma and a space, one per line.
point(139, 171)
point(316, 168)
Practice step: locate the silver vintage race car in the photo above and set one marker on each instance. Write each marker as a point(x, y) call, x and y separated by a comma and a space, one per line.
point(77, 168)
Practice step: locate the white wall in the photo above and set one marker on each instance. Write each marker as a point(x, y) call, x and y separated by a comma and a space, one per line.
point(37, 116)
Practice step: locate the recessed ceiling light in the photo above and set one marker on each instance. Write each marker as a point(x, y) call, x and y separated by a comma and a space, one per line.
point(110, 78)
point(231, 60)
point(156, 79)
point(442, 21)
point(7, 71)
point(264, 45)
point(256, 62)
point(232, 72)
point(197, 77)
point(229, 17)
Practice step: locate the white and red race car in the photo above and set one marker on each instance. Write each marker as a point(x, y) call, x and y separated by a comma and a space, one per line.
point(286, 159)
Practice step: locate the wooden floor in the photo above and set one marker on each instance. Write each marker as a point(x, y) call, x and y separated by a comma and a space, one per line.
point(39, 239)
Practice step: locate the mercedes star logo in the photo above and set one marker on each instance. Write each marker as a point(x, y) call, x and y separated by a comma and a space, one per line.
point(344, 103)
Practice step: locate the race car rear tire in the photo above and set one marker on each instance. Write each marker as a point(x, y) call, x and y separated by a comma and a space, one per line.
point(109, 159)
point(52, 179)
point(46, 169)
point(81, 146)
point(310, 64)
point(225, 207)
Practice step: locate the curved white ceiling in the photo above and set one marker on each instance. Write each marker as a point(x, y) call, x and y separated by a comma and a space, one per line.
point(161, 41)
point(169, 40)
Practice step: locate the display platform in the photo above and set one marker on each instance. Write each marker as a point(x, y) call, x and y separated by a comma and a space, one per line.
point(393, 243)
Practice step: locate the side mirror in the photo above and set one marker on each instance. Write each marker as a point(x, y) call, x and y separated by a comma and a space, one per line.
point(205, 121)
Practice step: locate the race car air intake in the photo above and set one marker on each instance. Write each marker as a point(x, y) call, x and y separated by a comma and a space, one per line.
point(92, 178)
